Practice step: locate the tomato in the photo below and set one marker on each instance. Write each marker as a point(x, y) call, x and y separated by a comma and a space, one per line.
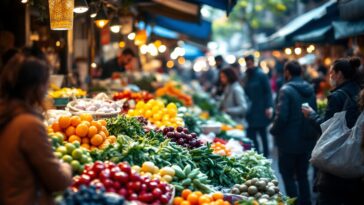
point(121, 177)
point(125, 168)
point(104, 174)
point(110, 189)
point(157, 193)
point(123, 192)
point(97, 168)
point(135, 177)
point(91, 173)
point(145, 197)
point(117, 185)
point(107, 183)
point(133, 197)
point(85, 179)
point(164, 199)
point(152, 185)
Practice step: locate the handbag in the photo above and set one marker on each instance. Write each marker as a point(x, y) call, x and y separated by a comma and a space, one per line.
point(338, 150)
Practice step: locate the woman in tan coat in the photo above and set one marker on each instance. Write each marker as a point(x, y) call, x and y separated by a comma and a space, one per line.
point(29, 172)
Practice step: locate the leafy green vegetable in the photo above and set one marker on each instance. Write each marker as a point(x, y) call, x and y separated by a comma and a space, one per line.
point(122, 125)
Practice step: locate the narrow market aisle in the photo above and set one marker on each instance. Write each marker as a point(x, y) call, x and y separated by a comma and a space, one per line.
point(273, 153)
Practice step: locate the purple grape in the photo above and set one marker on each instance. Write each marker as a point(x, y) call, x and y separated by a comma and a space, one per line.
point(171, 129)
point(193, 143)
point(181, 141)
point(177, 135)
point(185, 130)
point(194, 135)
point(170, 134)
point(179, 129)
point(165, 131)
point(189, 137)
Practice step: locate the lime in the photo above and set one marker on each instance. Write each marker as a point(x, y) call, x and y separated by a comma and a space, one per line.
point(67, 158)
point(77, 154)
point(89, 160)
point(70, 147)
point(62, 149)
point(75, 165)
point(77, 144)
point(58, 155)
point(84, 159)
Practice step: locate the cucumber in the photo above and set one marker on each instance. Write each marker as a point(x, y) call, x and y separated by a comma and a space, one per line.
point(193, 173)
point(186, 182)
point(187, 170)
point(179, 187)
point(179, 172)
point(202, 187)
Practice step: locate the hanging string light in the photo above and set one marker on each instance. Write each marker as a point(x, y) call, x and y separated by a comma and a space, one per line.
point(115, 25)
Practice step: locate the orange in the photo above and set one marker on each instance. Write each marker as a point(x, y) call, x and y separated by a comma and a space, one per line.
point(74, 138)
point(97, 125)
point(102, 133)
point(105, 144)
point(193, 199)
point(86, 146)
point(217, 195)
point(92, 130)
point(204, 199)
point(226, 203)
point(185, 203)
point(199, 194)
point(177, 201)
point(56, 127)
point(97, 140)
point(93, 148)
point(87, 123)
point(112, 139)
point(64, 122)
point(81, 130)
point(70, 131)
point(85, 140)
point(86, 117)
point(185, 193)
point(219, 202)
point(104, 129)
point(103, 122)
point(75, 120)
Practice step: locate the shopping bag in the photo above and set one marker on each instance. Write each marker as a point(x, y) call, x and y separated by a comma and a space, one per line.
point(338, 150)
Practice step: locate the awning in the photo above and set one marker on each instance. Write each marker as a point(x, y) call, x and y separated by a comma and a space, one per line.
point(192, 51)
point(315, 36)
point(226, 5)
point(201, 31)
point(283, 37)
point(346, 29)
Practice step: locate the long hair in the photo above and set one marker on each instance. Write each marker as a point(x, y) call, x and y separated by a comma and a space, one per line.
point(25, 79)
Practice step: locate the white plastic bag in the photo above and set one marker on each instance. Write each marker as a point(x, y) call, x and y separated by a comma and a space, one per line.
point(338, 150)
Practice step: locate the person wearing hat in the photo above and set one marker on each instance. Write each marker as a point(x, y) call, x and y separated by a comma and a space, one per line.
point(258, 90)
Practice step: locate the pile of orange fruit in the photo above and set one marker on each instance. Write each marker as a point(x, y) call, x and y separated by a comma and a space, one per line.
point(197, 198)
point(171, 89)
point(157, 113)
point(225, 127)
point(91, 134)
point(220, 149)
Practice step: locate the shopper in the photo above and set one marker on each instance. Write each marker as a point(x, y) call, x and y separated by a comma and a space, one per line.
point(218, 88)
point(289, 130)
point(259, 92)
point(343, 76)
point(29, 173)
point(118, 64)
point(234, 101)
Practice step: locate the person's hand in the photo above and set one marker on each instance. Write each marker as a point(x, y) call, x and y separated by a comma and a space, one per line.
point(307, 110)
point(269, 112)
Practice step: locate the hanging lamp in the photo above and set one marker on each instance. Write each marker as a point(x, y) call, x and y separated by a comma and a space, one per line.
point(101, 18)
point(115, 25)
point(80, 6)
point(61, 14)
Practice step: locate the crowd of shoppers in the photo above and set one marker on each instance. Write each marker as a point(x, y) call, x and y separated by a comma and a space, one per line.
point(296, 123)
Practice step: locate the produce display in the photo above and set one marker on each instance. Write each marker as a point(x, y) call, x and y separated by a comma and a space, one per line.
point(90, 195)
point(157, 113)
point(93, 106)
point(70, 153)
point(170, 89)
point(135, 96)
point(89, 133)
point(67, 93)
point(148, 169)
point(182, 137)
point(197, 198)
point(220, 149)
point(120, 179)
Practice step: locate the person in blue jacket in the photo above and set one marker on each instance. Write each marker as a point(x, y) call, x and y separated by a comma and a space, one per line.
point(259, 92)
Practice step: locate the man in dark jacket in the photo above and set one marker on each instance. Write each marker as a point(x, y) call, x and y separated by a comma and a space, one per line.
point(258, 90)
point(289, 130)
point(117, 64)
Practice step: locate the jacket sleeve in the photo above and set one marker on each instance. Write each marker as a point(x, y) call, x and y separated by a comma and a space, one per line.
point(53, 175)
point(268, 100)
point(241, 103)
point(282, 112)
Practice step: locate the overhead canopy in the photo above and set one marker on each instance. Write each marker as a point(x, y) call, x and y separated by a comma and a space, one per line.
point(201, 31)
point(192, 51)
point(313, 19)
point(316, 35)
point(176, 9)
point(226, 5)
point(345, 29)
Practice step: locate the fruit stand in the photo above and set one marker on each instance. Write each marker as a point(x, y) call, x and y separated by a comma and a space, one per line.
point(168, 147)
